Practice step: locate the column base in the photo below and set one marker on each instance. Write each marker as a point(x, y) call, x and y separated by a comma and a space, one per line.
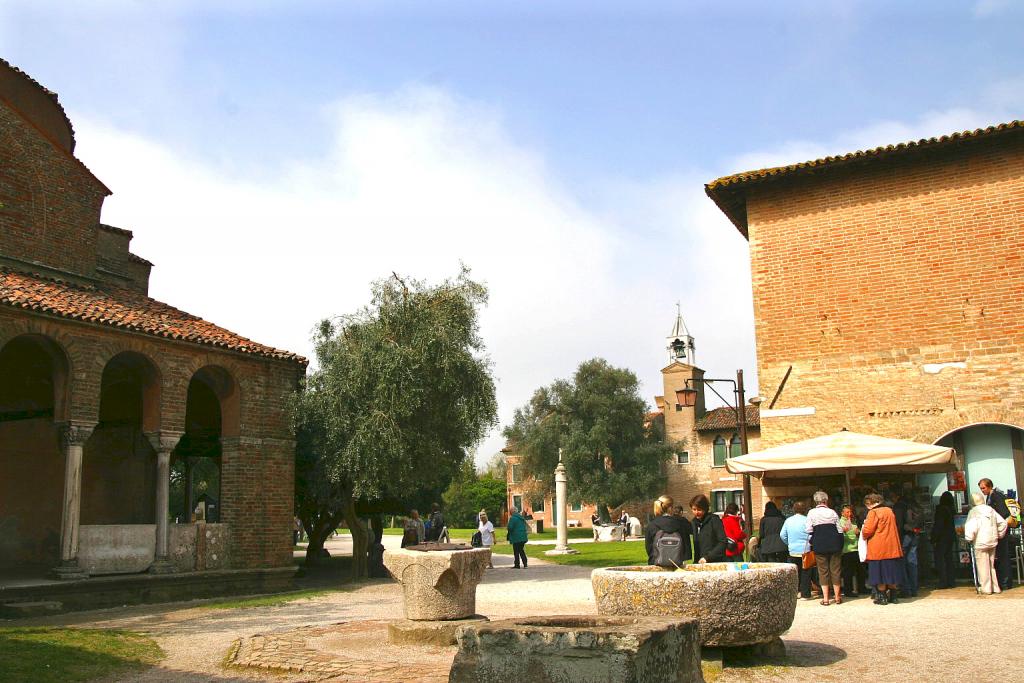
point(562, 551)
point(162, 566)
point(69, 570)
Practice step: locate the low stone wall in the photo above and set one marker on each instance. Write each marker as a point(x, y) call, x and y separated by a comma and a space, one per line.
point(114, 591)
point(745, 607)
point(116, 548)
point(199, 546)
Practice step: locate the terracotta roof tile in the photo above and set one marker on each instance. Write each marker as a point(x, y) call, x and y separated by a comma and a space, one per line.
point(727, 191)
point(126, 309)
point(725, 418)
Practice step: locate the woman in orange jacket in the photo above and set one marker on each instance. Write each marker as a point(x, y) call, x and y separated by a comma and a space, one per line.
point(885, 550)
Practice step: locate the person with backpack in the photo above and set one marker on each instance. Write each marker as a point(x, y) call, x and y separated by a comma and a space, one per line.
point(668, 537)
point(734, 533)
point(414, 531)
point(709, 539)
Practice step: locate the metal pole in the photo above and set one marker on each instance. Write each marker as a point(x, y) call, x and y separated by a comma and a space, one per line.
point(741, 423)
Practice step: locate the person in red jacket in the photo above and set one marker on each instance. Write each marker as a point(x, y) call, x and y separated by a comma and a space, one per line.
point(734, 530)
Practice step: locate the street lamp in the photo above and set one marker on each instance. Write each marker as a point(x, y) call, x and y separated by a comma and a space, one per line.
point(687, 397)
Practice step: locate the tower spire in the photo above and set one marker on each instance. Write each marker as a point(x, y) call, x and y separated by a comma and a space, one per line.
point(680, 344)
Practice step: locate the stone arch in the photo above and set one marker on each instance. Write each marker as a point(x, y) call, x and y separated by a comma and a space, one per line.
point(212, 414)
point(34, 386)
point(992, 449)
point(119, 463)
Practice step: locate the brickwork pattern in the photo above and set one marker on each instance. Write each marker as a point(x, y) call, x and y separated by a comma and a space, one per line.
point(295, 651)
point(862, 276)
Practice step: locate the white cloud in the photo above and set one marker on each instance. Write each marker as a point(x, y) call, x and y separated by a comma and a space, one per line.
point(416, 182)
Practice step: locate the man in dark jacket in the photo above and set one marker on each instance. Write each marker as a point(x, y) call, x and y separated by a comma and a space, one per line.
point(665, 521)
point(436, 523)
point(996, 500)
point(708, 531)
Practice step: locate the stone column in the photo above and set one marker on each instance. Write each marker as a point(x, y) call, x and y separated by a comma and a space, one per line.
point(562, 510)
point(163, 443)
point(73, 435)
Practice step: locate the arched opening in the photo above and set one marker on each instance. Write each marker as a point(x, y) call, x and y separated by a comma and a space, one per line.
point(988, 450)
point(33, 398)
point(211, 413)
point(119, 463)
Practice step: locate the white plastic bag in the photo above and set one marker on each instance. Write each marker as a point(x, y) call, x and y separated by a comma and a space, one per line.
point(862, 548)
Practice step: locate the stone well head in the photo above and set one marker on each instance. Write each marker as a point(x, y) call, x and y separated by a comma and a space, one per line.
point(579, 649)
point(733, 606)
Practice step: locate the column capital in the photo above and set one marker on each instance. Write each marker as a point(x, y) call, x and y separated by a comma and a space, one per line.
point(163, 441)
point(76, 433)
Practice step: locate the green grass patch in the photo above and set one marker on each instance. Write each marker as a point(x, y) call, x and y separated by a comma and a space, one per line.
point(269, 600)
point(59, 655)
point(613, 554)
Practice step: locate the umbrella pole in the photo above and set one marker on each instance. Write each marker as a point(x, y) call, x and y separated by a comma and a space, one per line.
point(849, 493)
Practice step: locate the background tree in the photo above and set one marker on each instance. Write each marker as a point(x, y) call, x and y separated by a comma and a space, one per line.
point(401, 392)
point(612, 452)
point(469, 493)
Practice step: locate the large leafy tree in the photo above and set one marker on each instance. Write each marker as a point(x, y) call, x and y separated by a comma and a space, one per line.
point(610, 449)
point(469, 493)
point(401, 392)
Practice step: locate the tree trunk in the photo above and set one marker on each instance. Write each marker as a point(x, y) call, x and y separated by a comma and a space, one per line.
point(360, 540)
point(602, 512)
point(319, 527)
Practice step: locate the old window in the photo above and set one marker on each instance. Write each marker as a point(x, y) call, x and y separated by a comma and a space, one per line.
point(719, 451)
point(683, 458)
point(723, 498)
point(735, 446)
point(516, 477)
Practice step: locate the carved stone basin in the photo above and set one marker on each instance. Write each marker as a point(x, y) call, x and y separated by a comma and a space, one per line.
point(733, 607)
point(438, 583)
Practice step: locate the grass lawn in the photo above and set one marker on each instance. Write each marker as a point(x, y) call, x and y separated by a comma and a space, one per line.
point(613, 554)
point(57, 655)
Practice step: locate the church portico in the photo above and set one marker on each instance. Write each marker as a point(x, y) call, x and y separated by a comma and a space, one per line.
point(135, 438)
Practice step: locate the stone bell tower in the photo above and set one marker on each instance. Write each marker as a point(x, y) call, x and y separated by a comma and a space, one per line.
point(680, 343)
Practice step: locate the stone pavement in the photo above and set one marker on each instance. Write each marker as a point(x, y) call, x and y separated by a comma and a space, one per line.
point(347, 651)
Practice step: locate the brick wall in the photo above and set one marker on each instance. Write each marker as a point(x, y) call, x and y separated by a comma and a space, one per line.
point(49, 203)
point(865, 279)
point(257, 468)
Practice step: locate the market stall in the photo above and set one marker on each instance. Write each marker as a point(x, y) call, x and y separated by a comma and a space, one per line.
point(844, 461)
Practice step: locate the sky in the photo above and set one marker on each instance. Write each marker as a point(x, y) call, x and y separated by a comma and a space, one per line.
point(274, 158)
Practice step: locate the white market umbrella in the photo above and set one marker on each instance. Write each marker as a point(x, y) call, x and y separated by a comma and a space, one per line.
point(843, 453)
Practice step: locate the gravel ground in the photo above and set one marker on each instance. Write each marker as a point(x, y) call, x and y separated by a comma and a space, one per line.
point(935, 636)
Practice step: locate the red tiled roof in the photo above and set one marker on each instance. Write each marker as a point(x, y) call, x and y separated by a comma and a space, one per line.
point(124, 309)
point(725, 418)
point(728, 192)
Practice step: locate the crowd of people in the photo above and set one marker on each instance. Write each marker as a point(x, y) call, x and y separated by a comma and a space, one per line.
point(872, 546)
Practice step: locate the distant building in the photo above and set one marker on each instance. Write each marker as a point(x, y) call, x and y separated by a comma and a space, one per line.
point(705, 438)
point(888, 291)
point(105, 392)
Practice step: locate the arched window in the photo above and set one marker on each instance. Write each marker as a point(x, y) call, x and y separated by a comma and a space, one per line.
point(719, 451)
point(735, 446)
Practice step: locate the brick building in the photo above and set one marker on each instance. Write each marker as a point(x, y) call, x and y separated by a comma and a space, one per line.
point(888, 289)
point(705, 438)
point(107, 395)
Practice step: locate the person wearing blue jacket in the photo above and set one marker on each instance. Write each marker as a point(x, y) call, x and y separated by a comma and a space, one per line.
point(794, 535)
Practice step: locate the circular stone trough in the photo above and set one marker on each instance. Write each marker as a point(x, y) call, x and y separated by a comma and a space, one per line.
point(734, 607)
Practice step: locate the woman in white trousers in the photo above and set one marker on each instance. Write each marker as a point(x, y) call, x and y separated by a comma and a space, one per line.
point(984, 528)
